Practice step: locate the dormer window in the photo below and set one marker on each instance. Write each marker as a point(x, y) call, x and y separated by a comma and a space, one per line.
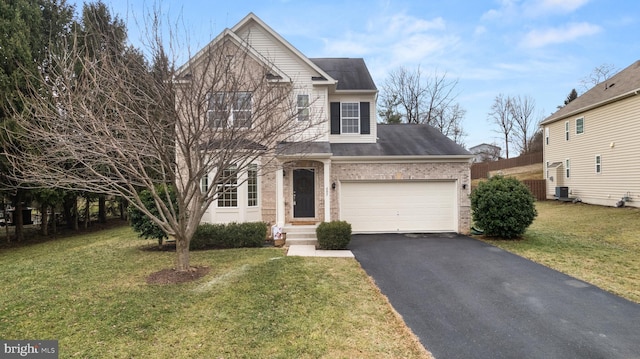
point(229, 109)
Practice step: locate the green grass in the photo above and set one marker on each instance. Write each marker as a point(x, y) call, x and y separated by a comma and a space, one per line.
point(600, 245)
point(89, 292)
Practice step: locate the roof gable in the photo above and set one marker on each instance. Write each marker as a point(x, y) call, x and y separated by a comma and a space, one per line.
point(233, 34)
point(624, 84)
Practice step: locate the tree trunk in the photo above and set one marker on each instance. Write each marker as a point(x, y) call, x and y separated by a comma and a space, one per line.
point(182, 255)
point(74, 214)
point(102, 209)
point(54, 220)
point(87, 212)
point(17, 217)
point(123, 208)
point(44, 220)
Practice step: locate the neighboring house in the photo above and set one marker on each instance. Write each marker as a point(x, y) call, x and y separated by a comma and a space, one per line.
point(485, 152)
point(592, 145)
point(379, 178)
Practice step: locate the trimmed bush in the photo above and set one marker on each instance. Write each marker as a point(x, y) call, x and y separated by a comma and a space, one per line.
point(503, 207)
point(333, 235)
point(232, 235)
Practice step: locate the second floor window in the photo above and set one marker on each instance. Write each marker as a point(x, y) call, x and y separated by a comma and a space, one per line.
point(580, 125)
point(566, 131)
point(350, 117)
point(229, 109)
point(303, 107)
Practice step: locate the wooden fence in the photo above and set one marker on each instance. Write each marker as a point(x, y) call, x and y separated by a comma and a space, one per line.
point(538, 188)
point(481, 170)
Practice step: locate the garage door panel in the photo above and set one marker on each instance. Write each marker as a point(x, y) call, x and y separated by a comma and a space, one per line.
point(399, 206)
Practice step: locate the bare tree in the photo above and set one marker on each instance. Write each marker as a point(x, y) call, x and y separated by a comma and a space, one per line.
point(502, 115)
point(108, 125)
point(524, 124)
point(423, 99)
point(599, 74)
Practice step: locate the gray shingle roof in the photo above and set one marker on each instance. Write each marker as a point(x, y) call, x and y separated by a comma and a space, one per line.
point(403, 140)
point(625, 81)
point(352, 74)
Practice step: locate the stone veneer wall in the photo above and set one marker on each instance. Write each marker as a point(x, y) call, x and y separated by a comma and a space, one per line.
point(459, 171)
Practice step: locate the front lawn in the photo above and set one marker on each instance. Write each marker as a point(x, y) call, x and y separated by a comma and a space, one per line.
point(600, 245)
point(90, 293)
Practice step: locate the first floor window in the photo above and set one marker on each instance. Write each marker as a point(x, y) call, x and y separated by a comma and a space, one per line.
point(568, 167)
point(228, 187)
point(598, 164)
point(252, 185)
point(303, 107)
point(350, 117)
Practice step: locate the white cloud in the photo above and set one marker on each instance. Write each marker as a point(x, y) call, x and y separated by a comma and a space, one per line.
point(513, 10)
point(399, 38)
point(544, 7)
point(558, 35)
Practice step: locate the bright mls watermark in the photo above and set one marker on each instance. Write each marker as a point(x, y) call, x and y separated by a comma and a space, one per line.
point(36, 349)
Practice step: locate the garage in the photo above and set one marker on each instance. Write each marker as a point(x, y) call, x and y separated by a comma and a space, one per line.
point(399, 206)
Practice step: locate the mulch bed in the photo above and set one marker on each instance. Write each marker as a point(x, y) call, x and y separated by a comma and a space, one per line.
point(172, 276)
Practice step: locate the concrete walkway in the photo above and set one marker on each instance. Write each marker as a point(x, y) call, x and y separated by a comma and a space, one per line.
point(304, 250)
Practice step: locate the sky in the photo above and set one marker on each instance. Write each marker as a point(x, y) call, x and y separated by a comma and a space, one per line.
point(536, 48)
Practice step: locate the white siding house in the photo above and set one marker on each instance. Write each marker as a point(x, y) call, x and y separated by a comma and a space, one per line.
point(592, 145)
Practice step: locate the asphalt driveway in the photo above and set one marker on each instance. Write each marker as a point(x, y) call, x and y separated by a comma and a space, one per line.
point(466, 299)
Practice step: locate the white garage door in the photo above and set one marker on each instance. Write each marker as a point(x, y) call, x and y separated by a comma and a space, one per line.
point(399, 206)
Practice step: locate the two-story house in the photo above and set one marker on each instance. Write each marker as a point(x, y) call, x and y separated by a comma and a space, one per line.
point(379, 178)
point(591, 145)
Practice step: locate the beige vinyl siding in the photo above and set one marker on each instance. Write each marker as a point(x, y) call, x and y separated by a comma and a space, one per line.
point(613, 132)
point(299, 71)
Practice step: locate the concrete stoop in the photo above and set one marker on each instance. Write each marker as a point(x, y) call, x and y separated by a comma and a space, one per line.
point(300, 235)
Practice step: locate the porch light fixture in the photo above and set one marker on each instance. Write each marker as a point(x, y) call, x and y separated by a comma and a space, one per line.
point(464, 186)
point(333, 185)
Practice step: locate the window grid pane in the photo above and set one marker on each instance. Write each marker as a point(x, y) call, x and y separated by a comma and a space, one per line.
point(598, 164)
point(303, 107)
point(229, 109)
point(227, 188)
point(252, 186)
point(579, 125)
point(351, 118)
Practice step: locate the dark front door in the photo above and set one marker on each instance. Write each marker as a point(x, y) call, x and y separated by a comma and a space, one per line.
point(303, 193)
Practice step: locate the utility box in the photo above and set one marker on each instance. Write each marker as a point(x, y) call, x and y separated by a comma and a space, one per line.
point(562, 192)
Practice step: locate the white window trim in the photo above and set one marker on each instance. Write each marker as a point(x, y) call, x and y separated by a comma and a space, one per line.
point(566, 131)
point(227, 187)
point(231, 112)
point(253, 168)
point(567, 170)
point(598, 164)
point(204, 184)
point(342, 118)
point(577, 119)
point(546, 135)
point(303, 113)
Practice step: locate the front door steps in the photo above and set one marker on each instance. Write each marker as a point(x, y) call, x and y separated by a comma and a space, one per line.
point(300, 234)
